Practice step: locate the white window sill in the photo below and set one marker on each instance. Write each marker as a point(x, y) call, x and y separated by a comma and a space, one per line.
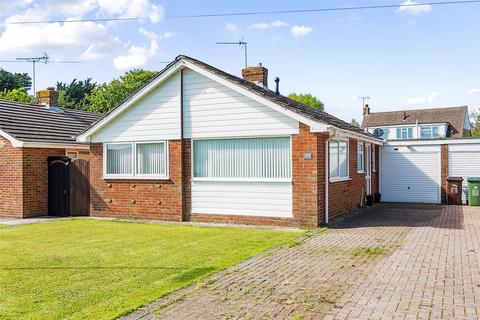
point(240, 180)
point(340, 179)
point(361, 172)
point(135, 178)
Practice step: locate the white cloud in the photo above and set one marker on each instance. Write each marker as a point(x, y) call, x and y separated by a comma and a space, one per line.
point(137, 56)
point(475, 91)
point(300, 31)
point(431, 98)
point(411, 7)
point(132, 9)
point(265, 26)
point(230, 27)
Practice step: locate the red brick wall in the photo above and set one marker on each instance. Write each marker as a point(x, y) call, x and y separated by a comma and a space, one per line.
point(143, 199)
point(345, 196)
point(444, 171)
point(11, 199)
point(35, 180)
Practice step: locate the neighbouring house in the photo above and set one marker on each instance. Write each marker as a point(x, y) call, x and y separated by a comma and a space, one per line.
point(199, 144)
point(422, 124)
point(423, 148)
point(29, 135)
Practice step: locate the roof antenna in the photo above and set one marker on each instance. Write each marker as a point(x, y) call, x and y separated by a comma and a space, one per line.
point(242, 43)
point(34, 60)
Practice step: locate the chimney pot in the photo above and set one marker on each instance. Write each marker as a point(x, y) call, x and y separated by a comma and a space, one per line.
point(366, 110)
point(257, 75)
point(48, 97)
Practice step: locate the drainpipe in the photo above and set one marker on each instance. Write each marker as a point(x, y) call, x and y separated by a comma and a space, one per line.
point(326, 179)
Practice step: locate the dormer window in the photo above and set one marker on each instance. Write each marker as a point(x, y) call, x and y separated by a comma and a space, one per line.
point(430, 132)
point(405, 133)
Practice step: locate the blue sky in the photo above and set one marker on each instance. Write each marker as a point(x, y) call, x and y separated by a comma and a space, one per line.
point(404, 59)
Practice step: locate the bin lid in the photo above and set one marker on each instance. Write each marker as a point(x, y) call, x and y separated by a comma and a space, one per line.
point(454, 178)
point(473, 179)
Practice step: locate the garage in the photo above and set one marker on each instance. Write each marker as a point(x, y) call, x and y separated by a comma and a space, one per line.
point(464, 161)
point(410, 173)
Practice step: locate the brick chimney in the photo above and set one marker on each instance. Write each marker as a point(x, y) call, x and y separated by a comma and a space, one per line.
point(366, 110)
point(48, 97)
point(257, 75)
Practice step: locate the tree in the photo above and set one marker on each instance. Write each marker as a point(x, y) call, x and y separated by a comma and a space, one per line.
point(108, 95)
point(19, 95)
point(355, 123)
point(75, 94)
point(10, 81)
point(475, 117)
point(307, 99)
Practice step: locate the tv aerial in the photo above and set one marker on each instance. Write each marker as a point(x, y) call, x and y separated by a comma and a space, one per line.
point(242, 43)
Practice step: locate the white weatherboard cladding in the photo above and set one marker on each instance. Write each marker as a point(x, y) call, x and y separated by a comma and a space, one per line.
point(464, 161)
point(213, 110)
point(410, 174)
point(263, 199)
point(155, 117)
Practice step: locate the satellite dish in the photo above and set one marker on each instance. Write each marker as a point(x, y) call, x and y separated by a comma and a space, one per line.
point(378, 132)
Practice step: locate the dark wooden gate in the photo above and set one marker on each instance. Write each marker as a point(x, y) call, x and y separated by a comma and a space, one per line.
point(68, 187)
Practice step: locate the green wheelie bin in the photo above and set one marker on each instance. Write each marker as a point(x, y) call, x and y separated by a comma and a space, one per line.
point(473, 191)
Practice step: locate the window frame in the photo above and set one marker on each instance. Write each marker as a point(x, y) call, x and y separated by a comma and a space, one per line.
point(374, 160)
point(362, 170)
point(401, 133)
point(199, 179)
point(339, 178)
point(133, 175)
point(431, 132)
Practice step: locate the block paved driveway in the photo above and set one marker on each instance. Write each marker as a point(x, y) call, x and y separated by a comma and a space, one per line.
point(388, 262)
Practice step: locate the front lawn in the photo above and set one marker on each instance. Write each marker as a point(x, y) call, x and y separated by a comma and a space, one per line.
point(89, 269)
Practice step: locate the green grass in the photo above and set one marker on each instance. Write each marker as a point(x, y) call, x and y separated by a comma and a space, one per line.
point(3, 225)
point(87, 269)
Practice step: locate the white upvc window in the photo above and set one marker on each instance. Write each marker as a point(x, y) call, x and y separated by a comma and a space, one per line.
point(405, 133)
point(429, 132)
point(338, 154)
point(360, 158)
point(136, 160)
point(374, 161)
point(242, 159)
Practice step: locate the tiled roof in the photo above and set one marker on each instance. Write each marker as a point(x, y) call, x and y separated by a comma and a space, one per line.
point(285, 102)
point(455, 116)
point(36, 123)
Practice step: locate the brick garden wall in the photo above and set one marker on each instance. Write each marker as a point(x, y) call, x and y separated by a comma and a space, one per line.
point(11, 186)
point(35, 180)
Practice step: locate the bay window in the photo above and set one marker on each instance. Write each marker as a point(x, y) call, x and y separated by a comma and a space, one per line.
point(242, 159)
point(140, 160)
point(338, 153)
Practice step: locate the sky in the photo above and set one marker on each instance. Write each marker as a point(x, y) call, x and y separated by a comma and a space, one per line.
point(401, 57)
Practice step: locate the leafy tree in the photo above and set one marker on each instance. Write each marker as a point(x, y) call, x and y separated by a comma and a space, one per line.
point(475, 117)
point(19, 95)
point(355, 123)
point(10, 81)
point(108, 95)
point(307, 99)
point(74, 95)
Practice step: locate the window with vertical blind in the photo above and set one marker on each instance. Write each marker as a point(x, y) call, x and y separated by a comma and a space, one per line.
point(142, 160)
point(338, 154)
point(242, 159)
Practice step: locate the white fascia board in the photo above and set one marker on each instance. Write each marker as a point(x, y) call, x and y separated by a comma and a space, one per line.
point(55, 145)
point(432, 142)
point(352, 134)
point(85, 137)
point(311, 123)
point(15, 142)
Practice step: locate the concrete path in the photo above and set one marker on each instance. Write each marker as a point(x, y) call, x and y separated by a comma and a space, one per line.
point(408, 262)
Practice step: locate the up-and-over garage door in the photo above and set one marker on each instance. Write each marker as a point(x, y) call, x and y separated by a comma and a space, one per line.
point(410, 174)
point(464, 161)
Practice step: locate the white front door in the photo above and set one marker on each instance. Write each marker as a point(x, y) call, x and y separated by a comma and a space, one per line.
point(410, 174)
point(368, 169)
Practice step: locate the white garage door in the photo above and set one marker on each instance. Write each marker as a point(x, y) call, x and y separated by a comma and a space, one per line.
point(411, 174)
point(464, 161)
